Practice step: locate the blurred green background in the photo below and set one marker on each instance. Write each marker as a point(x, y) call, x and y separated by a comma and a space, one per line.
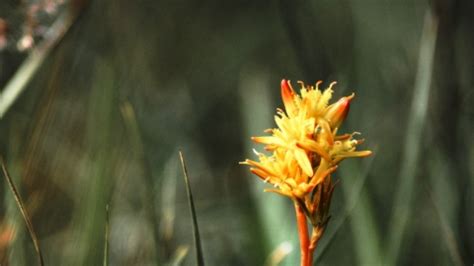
point(132, 82)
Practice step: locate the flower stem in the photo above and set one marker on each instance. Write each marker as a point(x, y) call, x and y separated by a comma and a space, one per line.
point(315, 236)
point(303, 235)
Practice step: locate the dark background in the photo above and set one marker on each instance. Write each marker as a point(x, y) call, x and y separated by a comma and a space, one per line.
point(132, 82)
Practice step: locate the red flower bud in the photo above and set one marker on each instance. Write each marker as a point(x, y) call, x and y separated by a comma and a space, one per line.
point(337, 112)
point(287, 95)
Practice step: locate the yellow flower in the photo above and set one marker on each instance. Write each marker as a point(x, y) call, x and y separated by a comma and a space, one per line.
point(305, 148)
point(282, 170)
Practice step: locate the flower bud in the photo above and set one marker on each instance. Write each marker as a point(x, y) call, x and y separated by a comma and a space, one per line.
point(287, 95)
point(337, 112)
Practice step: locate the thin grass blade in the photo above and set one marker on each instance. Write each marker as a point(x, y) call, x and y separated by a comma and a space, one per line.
point(446, 230)
point(197, 238)
point(139, 152)
point(414, 136)
point(17, 84)
point(179, 256)
point(24, 213)
point(106, 236)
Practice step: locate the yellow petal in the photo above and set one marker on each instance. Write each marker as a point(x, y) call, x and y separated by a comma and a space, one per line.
point(313, 146)
point(320, 176)
point(283, 193)
point(341, 157)
point(303, 161)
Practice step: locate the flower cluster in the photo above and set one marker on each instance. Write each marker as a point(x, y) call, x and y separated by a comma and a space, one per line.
point(305, 148)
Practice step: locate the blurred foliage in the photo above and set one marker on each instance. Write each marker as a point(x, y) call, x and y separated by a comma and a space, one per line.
point(131, 82)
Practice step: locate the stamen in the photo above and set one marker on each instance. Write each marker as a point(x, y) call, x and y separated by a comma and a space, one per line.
point(256, 152)
point(318, 83)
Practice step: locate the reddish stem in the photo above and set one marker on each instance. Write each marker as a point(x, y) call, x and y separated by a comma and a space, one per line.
point(303, 235)
point(315, 237)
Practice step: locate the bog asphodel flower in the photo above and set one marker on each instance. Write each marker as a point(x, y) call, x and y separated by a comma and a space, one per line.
point(305, 148)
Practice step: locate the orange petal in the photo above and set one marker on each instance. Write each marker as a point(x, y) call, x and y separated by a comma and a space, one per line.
point(258, 172)
point(343, 137)
point(268, 140)
point(271, 147)
point(287, 95)
point(359, 154)
point(260, 166)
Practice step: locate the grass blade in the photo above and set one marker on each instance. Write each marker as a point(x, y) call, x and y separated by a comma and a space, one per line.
point(179, 256)
point(17, 84)
point(139, 152)
point(279, 254)
point(257, 113)
point(106, 236)
point(197, 238)
point(24, 213)
point(414, 136)
point(446, 230)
